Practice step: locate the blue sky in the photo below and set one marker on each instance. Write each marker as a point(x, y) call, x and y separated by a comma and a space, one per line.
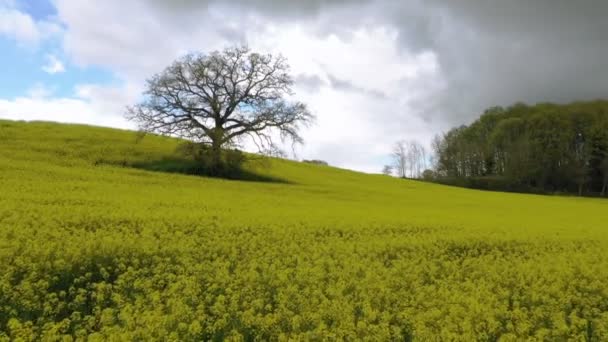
point(22, 63)
point(38, 9)
point(22, 67)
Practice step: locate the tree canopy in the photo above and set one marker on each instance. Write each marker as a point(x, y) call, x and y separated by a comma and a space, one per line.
point(545, 148)
point(220, 99)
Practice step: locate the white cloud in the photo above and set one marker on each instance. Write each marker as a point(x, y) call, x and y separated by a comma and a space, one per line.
point(108, 100)
point(69, 110)
point(91, 104)
point(367, 91)
point(18, 26)
point(53, 65)
point(21, 27)
point(39, 91)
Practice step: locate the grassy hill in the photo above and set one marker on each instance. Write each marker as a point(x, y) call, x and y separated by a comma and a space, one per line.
point(92, 245)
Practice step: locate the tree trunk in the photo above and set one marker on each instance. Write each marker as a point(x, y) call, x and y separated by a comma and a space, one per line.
point(604, 187)
point(216, 158)
point(580, 189)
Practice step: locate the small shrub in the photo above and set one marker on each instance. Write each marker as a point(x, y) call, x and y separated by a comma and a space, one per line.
point(316, 162)
point(428, 175)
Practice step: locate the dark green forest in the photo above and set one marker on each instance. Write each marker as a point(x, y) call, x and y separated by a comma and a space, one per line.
point(542, 148)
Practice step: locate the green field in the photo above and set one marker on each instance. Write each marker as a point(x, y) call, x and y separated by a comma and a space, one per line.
point(91, 247)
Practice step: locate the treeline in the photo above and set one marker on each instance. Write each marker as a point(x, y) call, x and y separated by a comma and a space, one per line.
point(540, 148)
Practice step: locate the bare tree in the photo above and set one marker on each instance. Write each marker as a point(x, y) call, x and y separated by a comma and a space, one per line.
point(221, 98)
point(400, 158)
point(387, 170)
point(423, 158)
point(414, 156)
point(418, 153)
point(409, 158)
point(436, 152)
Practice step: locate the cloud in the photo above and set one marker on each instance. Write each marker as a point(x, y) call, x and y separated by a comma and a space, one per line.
point(135, 47)
point(488, 52)
point(53, 65)
point(22, 28)
point(39, 91)
point(374, 71)
point(18, 26)
point(108, 100)
point(314, 83)
point(500, 52)
point(90, 104)
point(309, 82)
point(69, 110)
point(269, 9)
point(348, 86)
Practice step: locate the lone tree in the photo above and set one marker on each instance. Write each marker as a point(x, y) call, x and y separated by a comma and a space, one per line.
point(387, 170)
point(221, 98)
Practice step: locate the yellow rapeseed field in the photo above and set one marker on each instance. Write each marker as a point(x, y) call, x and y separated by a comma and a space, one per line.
point(92, 248)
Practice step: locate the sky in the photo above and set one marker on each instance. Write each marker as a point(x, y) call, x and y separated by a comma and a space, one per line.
point(372, 71)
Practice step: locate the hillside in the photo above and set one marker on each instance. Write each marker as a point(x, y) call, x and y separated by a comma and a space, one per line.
point(91, 246)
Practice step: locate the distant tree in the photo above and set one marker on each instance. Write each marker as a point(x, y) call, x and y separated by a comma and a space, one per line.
point(416, 155)
point(437, 153)
point(409, 158)
point(423, 161)
point(598, 161)
point(511, 150)
point(400, 158)
point(316, 162)
point(220, 98)
point(412, 156)
point(428, 175)
point(604, 170)
point(580, 161)
point(387, 170)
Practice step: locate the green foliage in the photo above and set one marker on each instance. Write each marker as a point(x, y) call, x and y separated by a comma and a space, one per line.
point(429, 175)
point(92, 250)
point(541, 148)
